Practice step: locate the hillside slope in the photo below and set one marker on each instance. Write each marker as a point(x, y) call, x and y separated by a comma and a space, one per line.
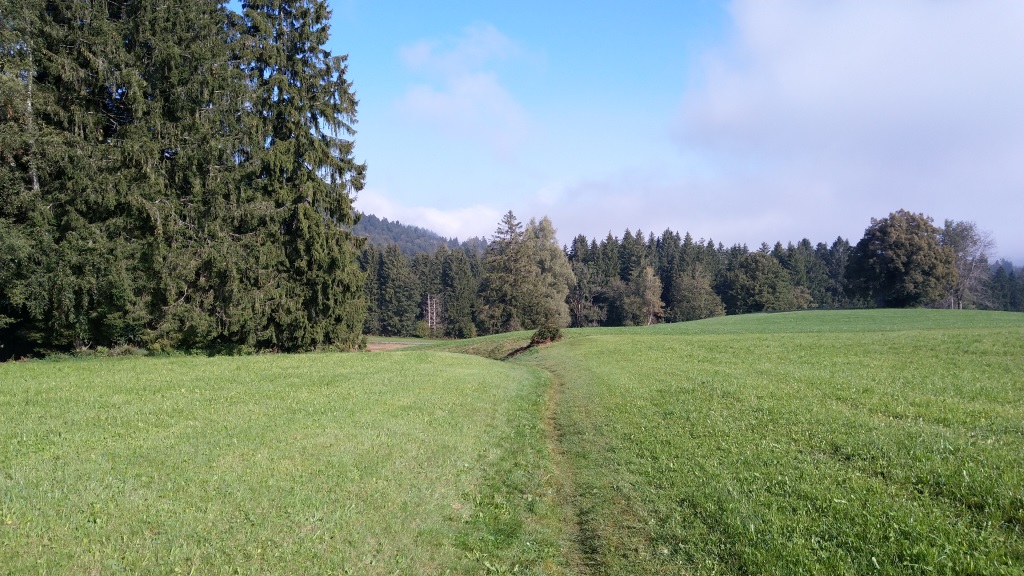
point(411, 240)
point(816, 443)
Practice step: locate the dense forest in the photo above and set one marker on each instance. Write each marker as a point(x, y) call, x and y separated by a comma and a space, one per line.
point(638, 279)
point(175, 175)
point(180, 176)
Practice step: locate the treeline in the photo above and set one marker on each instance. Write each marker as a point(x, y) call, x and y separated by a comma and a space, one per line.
point(639, 279)
point(520, 281)
point(175, 175)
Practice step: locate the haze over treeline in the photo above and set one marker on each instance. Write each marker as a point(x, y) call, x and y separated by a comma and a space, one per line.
point(181, 177)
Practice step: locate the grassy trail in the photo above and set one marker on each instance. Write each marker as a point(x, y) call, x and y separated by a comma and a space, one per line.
point(578, 552)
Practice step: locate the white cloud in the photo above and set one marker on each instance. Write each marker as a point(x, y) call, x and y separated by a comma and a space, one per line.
point(648, 201)
point(845, 109)
point(479, 44)
point(472, 106)
point(462, 223)
point(466, 100)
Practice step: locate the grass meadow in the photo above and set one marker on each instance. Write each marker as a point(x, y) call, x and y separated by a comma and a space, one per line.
point(848, 442)
point(884, 442)
point(306, 464)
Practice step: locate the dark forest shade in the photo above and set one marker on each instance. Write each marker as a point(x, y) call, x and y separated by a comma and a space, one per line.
point(175, 175)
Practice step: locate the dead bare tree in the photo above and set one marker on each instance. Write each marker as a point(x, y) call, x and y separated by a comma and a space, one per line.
point(972, 248)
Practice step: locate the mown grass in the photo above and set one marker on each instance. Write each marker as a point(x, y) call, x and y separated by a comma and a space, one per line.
point(854, 442)
point(418, 463)
point(810, 443)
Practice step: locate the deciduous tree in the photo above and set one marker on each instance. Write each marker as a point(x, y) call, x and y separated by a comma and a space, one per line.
point(552, 274)
point(758, 283)
point(900, 262)
point(693, 297)
point(971, 248)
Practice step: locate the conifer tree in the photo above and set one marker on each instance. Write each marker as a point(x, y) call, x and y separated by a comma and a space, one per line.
point(579, 251)
point(75, 206)
point(633, 255)
point(426, 268)
point(369, 262)
point(834, 259)
point(196, 179)
point(209, 264)
point(668, 263)
point(397, 294)
point(458, 287)
point(608, 258)
point(507, 272)
point(582, 309)
point(19, 183)
point(298, 161)
point(526, 278)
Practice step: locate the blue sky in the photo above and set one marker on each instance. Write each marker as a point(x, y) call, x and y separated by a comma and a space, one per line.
point(742, 121)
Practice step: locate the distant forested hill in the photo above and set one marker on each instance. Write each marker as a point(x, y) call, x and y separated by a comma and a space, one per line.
point(411, 240)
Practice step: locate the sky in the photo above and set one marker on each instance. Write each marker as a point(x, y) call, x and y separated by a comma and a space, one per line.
point(741, 121)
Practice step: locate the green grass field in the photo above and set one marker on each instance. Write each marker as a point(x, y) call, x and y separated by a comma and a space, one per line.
point(883, 442)
point(817, 443)
point(308, 464)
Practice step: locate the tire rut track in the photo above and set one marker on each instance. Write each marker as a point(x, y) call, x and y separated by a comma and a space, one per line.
point(582, 553)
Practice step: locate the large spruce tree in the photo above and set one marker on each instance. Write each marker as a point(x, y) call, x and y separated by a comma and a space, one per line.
point(502, 298)
point(73, 196)
point(458, 286)
point(299, 165)
point(175, 174)
point(398, 295)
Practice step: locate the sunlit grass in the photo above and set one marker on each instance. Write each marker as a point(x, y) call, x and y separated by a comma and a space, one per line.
point(331, 463)
point(848, 442)
point(818, 443)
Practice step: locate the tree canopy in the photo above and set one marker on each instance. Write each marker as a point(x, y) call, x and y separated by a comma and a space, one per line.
point(181, 176)
point(971, 248)
point(526, 278)
point(901, 262)
point(523, 281)
point(176, 175)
